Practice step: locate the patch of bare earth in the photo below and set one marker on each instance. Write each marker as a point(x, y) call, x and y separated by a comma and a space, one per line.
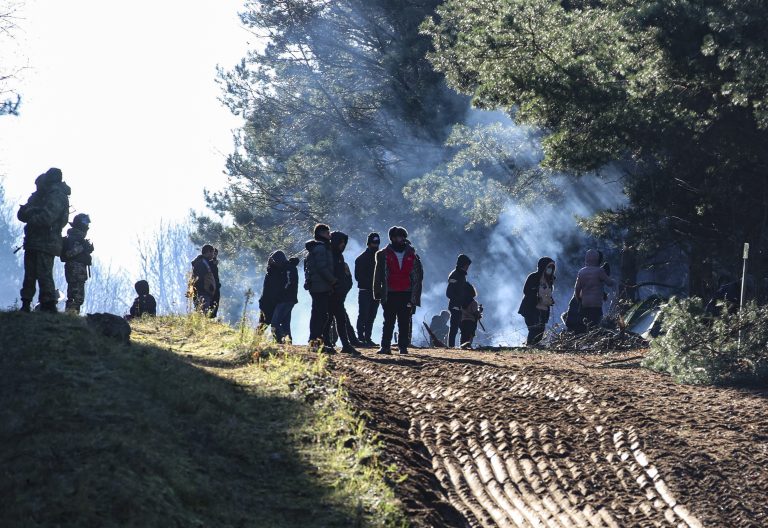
point(517, 439)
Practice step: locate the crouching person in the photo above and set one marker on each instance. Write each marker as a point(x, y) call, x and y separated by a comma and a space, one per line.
point(144, 303)
point(76, 256)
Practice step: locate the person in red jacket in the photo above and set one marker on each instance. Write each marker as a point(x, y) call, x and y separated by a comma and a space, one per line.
point(397, 280)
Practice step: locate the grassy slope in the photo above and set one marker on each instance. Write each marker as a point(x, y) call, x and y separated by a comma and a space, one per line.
point(172, 431)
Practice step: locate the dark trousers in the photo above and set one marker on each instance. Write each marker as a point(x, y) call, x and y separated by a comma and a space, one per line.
point(38, 269)
point(536, 323)
point(468, 331)
point(318, 319)
point(281, 321)
point(338, 315)
point(455, 326)
point(215, 303)
point(366, 315)
point(397, 307)
point(591, 316)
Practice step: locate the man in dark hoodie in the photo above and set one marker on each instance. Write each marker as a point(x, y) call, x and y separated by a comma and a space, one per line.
point(458, 297)
point(144, 303)
point(368, 306)
point(45, 215)
point(397, 283)
point(280, 294)
point(337, 312)
point(537, 299)
point(204, 281)
point(214, 262)
point(319, 281)
point(76, 256)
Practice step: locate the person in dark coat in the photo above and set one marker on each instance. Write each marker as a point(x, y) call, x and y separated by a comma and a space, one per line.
point(367, 305)
point(76, 256)
point(45, 215)
point(144, 303)
point(537, 299)
point(397, 283)
point(338, 314)
point(204, 281)
point(457, 296)
point(272, 289)
point(439, 327)
point(214, 262)
point(282, 291)
point(319, 281)
point(470, 317)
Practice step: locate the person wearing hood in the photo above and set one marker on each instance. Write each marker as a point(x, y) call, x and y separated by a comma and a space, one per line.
point(144, 303)
point(319, 281)
point(458, 298)
point(280, 294)
point(204, 280)
point(214, 262)
point(337, 313)
point(572, 318)
point(397, 283)
point(590, 282)
point(538, 299)
point(45, 214)
point(76, 256)
point(368, 306)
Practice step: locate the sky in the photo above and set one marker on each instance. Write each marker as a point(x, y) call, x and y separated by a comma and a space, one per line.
point(122, 97)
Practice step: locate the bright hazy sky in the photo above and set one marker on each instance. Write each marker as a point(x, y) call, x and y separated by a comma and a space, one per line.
point(122, 97)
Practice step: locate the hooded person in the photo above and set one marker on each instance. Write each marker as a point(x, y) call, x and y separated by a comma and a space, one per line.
point(537, 300)
point(368, 307)
point(337, 313)
point(470, 317)
point(214, 263)
point(397, 283)
point(76, 256)
point(589, 289)
point(319, 281)
point(204, 280)
point(457, 296)
point(144, 303)
point(280, 294)
point(45, 214)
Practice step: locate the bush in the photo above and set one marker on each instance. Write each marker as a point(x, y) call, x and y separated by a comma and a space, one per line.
point(698, 348)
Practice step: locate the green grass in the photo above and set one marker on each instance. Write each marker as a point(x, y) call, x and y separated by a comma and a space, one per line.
point(182, 428)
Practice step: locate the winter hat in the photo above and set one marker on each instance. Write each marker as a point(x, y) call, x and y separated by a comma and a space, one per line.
point(397, 231)
point(53, 175)
point(81, 220)
point(373, 238)
point(142, 287)
point(463, 260)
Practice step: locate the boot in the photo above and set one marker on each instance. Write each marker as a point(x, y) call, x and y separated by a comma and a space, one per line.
point(403, 351)
point(49, 307)
point(384, 350)
point(349, 349)
point(26, 306)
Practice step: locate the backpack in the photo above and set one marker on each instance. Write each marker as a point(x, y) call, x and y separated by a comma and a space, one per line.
point(67, 246)
point(307, 271)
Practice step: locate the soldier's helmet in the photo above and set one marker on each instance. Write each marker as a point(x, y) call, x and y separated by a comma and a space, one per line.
point(81, 220)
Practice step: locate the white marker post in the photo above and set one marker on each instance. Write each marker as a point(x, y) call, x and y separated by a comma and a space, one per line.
point(743, 287)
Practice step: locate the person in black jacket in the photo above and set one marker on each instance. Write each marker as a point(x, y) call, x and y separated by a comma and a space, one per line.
point(214, 262)
point(537, 299)
point(368, 306)
point(204, 281)
point(272, 292)
point(286, 297)
point(458, 297)
point(144, 303)
point(338, 314)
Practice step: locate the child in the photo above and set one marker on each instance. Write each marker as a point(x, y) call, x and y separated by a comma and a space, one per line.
point(76, 256)
point(144, 303)
point(470, 315)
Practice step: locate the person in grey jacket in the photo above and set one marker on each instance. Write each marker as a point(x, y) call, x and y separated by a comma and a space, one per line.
point(319, 280)
point(589, 289)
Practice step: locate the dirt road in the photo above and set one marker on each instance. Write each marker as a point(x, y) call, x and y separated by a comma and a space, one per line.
point(516, 439)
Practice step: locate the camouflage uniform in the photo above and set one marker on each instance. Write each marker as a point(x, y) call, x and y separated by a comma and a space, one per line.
point(45, 215)
point(76, 256)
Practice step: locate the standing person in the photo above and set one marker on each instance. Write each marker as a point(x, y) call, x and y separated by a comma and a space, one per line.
point(144, 303)
point(319, 280)
point(367, 305)
point(457, 298)
point(470, 316)
point(214, 262)
point(204, 281)
point(397, 282)
point(281, 318)
point(76, 256)
point(589, 289)
point(537, 299)
point(45, 215)
point(337, 312)
point(272, 292)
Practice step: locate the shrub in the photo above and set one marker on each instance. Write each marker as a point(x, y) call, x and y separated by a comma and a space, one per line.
point(698, 348)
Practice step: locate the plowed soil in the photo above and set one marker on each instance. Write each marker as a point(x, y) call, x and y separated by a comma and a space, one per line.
point(518, 439)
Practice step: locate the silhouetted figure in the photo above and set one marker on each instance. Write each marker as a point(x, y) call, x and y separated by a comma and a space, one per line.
point(439, 327)
point(144, 303)
point(319, 281)
point(367, 305)
point(76, 256)
point(397, 283)
point(589, 289)
point(214, 262)
point(279, 295)
point(538, 299)
point(45, 215)
point(337, 312)
point(204, 280)
point(470, 317)
point(457, 296)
